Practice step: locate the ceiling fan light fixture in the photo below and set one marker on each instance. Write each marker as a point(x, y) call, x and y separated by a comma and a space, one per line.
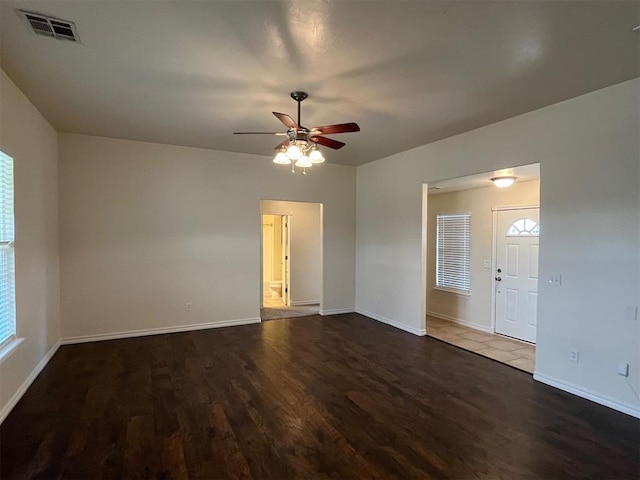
point(316, 156)
point(503, 182)
point(300, 148)
point(282, 159)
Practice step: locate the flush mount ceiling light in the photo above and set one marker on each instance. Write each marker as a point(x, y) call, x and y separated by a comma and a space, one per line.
point(300, 148)
point(503, 182)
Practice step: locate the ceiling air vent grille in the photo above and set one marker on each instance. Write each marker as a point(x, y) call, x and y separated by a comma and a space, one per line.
point(50, 26)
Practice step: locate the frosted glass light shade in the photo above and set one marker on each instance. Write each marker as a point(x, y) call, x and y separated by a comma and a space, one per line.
point(304, 162)
point(316, 156)
point(503, 182)
point(293, 152)
point(281, 159)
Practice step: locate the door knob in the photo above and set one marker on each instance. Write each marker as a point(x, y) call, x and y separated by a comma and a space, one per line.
point(498, 279)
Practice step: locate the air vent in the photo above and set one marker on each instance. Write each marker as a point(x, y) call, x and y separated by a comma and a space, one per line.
point(50, 26)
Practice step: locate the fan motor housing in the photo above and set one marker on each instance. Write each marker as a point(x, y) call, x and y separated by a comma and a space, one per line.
point(299, 96)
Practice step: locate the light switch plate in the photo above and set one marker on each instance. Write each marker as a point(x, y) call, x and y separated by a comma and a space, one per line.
point(555, 280)
point(631, 313)
point(623, 369)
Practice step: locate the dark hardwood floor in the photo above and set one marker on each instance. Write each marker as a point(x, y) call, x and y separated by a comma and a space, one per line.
point(313, 397)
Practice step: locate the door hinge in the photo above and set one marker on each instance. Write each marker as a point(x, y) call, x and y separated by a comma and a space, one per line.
point(286, 290)
point(286, 257)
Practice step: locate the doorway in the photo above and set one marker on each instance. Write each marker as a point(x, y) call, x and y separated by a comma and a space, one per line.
point(291, 259)
point(469, 236)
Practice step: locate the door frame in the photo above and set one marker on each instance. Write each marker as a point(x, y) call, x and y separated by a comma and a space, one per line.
point(494, 252)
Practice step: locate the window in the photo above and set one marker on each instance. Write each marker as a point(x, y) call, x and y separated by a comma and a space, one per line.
point(524, 227)
point(453, 252)
point(7, 262)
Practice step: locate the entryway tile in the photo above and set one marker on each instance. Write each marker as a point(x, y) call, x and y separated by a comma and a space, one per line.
point(497, 347)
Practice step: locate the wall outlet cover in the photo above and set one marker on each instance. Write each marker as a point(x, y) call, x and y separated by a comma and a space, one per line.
point(574, 355)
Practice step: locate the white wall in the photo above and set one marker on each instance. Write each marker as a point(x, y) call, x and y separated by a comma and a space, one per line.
point(305, 230)
point(27, 137)
point(473, 309)
point(146, 228)
point(589, 154)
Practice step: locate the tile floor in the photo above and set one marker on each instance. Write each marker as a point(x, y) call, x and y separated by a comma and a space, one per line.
point(518, 354)
point(269, 302)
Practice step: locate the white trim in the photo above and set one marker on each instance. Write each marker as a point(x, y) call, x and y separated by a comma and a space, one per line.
point(15, 398)
point(407, 328)
point(299, 303)
point(497, 208)
point(494, 265)
point(336, 311)
point(464, 293)
point(158, 331)
point(424, 254)
point(6, 350)
point(632, 410)
point(475, 326)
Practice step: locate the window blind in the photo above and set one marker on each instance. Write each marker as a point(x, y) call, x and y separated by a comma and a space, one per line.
point(453, 262)
point(7, 261)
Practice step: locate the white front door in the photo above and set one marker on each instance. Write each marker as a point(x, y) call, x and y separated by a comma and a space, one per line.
point(516, 275)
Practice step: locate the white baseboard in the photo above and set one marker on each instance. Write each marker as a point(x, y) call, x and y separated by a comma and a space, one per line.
point(464, 323)
point(158, 331)
point(300, 303)
point(407, 328)
point(28, 381)
point(632, 410)
point(336, 311)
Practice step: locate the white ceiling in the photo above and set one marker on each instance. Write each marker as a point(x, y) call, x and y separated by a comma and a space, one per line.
point(191, 73)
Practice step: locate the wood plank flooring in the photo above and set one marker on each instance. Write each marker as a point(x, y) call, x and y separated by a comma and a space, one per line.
point(312, 397)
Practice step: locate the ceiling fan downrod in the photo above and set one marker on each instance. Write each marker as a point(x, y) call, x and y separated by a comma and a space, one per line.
point(299, 96)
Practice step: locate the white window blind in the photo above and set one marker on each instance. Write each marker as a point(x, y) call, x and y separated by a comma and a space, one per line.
point(7, 262)
point(454, 252)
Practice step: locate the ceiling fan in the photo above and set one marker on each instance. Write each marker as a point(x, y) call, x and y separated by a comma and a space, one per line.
point(300, 148)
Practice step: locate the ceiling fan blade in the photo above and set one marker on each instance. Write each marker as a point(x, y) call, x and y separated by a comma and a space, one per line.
point(327, 142)
point(283, 144)
point(260, 133)
point(337, 128)
point(286, 119)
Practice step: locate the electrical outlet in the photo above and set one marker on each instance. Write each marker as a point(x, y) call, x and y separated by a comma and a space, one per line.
point(574, 355)
point(623, 369)
point(486, 263)
point(188, 307)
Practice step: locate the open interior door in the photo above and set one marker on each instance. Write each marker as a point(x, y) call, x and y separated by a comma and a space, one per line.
point(286, 259)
